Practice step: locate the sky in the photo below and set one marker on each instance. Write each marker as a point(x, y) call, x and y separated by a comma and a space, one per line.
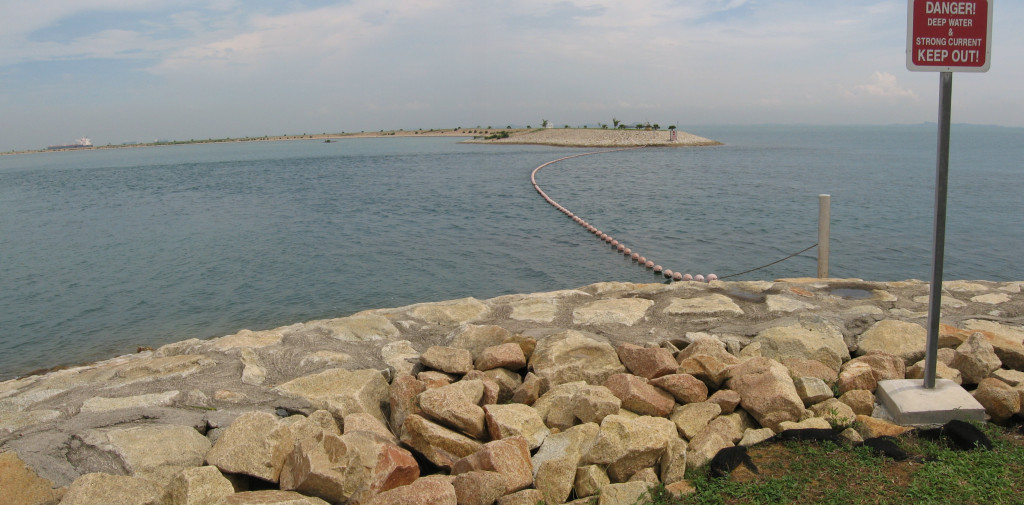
point(139, 70)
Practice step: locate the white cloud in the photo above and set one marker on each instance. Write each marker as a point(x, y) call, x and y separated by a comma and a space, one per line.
point(884, 85)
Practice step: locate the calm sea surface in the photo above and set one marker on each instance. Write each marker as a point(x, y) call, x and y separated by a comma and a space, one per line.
point(104, 251)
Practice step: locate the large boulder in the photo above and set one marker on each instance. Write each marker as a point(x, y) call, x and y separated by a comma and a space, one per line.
point(554, 464)
point(341, 392)
point(516, 420)
point(572, 356)
point(685, 388)
point(21, 485)
point(447, 359)
point(510, 457)
point(352, 467)
point(154, 452)
point(106, 489)
point(251, 446)
point(899, 338)
point(269, 497)
point(566, 404)
point(690, 419)
point(456, 406)
point(766, 391)
point(646, 362)
point(197, 486)
point(975, 359)
point(440, 445)
point(639, 396)
point(1001, 401)
point(432, 490)
point(816, 340)
point(628, 445)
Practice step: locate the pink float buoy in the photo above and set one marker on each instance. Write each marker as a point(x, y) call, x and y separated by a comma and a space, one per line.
point(687, 277)
point(609, 239)
point(635, 257)
point(643, 259)
point(627, 251)
point(615, 242)
point(621, 248)
point(677, 276)
point(712, 277)
point(649, 264)
point(699, 278)
point(657, 269)
point(667, 273)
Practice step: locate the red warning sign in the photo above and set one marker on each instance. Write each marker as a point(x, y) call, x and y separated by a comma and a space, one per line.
point(949, 35)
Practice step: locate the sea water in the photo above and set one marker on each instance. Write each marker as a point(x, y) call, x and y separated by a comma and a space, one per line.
point(102, 251)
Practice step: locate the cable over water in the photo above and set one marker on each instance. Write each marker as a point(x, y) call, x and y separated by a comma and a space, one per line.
point(637, 258)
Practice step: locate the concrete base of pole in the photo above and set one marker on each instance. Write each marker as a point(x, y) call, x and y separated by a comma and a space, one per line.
point(911, 404)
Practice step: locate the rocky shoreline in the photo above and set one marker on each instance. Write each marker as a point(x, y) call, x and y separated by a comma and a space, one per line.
point(587, 137)
point(600, 391)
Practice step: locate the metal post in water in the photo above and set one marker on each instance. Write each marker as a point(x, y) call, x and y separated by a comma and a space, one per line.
point(824, 216)
point(939, 236)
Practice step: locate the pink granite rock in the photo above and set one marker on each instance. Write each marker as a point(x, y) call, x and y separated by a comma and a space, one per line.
point(648, 363)
point(684, 387)
point(639, 396)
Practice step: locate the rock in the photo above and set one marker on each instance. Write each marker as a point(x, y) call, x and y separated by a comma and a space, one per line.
point(447, 359)
point(685, 388)
point(106, 489)
point(628, 445)
point(402, 395)
point(624, 311)
point(554, 464)
point(1001, 401)
point(975, 359)
point(899, 338)
point(672, 467)
point(153, 452)
point(812, 390)
point(1010, 377)
point(754, 437)
point(510, 457)
point(703, 448)
point(103, 404)
point(341, 392)
point(401, 357)
point(810, 339)
point(766, 391)
point(883, 366)
point(21, 486)
point(572, 402)
point(572, 356)
point(352, 467)
point(857, 376)
point(532, 387)
point(646, 362)
point(441, 446)
point(704, 344)
point(802, 367)
point(727, 399)
point(524, 497)
point(1008, 341)
point(367, 423)
point(507, 380)
point(253, 372)
point(512, 420)
point(455, 406)
point(359, 327)
point(680, 489)
point(478, 487)
point(433, 490)
point(711, 305)
point(626, 493)
point(811, 423)
point(871, 427)
point(707, 368)
point(835, 412)
point(435, 379)
point(475, 338)
point(692, 418)
point(639, 396)
point(269, 497)
point(170, 367)
point(781, 303)
point(861, 401)
point(589, 480)
point(942, 371)
point(197, 486)
point(509, 355)
point(250, 446)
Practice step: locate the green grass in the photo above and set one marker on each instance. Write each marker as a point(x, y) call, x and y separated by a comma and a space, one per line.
point(805, 472)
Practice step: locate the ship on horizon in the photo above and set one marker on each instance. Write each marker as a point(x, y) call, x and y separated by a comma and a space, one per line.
point(80, 143)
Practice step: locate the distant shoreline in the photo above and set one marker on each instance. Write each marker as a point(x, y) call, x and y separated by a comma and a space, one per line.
point(563, 137)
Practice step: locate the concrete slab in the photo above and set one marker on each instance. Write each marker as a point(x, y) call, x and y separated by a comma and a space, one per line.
point(910, 404)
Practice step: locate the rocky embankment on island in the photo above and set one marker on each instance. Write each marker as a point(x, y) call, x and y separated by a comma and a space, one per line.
point(594, 137)
point(596, 392)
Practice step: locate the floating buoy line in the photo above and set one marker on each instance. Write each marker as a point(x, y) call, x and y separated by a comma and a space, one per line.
point(637, 258)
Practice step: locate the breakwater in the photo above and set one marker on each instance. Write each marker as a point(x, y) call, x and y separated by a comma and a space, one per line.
point(162, 417)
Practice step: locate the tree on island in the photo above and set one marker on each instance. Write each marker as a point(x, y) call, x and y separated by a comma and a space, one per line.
point(672, 127)
point(615, 123)
point(543, 123)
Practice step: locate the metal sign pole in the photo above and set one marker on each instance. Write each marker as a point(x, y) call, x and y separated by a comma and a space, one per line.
point(939, 242)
